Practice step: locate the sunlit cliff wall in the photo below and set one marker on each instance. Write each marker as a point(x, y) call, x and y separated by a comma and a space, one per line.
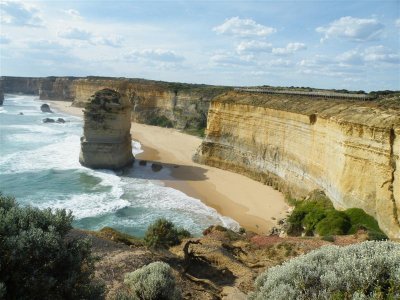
point(348, 149)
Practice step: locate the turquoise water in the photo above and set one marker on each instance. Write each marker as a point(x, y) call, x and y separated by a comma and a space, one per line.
point(39, 166)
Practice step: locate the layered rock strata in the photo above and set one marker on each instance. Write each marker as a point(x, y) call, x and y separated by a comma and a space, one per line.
point(183, 106)
point(106, 141)
point(349, 149)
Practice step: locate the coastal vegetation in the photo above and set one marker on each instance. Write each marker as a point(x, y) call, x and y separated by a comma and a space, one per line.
point(38, 260)
point(164, 234)
point(317, 216)
point(152, 282)
point(368, 270)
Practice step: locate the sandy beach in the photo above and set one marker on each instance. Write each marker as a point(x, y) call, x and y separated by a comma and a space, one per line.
point(252, 204)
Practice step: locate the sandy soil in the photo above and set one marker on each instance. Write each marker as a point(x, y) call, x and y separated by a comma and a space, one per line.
point(254, 205)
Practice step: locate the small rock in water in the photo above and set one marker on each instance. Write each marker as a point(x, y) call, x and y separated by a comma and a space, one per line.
point(142, 163)
point(21, 113)
point(49, 120)
point(45, 108)
point(60, 120)
point(156, 167)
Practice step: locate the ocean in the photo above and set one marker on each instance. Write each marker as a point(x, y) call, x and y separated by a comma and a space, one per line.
point(39, 166)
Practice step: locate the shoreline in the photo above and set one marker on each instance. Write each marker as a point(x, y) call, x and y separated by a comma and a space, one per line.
point(255, 206)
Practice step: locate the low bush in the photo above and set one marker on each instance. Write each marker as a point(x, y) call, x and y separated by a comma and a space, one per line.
point(161, 121)
point(152, 282)
point(317, 215)
point(38, 260)
point(334, 223)
point(369, 270)
point(163, 234)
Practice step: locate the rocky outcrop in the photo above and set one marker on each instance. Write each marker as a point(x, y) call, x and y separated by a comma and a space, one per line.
point(45, 108)
point(349, 149)
point(106, 141)
point(1, 93)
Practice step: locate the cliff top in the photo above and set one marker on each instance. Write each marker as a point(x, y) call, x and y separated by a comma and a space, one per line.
point(382, 112)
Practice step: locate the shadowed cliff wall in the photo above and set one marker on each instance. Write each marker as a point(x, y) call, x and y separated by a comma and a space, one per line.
point(185, 106)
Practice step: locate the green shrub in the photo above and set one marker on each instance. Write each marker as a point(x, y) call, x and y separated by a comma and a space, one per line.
point(335, 223)
point(152, 282)
point(317, 215)
point(163, 234)
point(369, 270)
point(161, 121)
point(360, 219)
point(37, 261)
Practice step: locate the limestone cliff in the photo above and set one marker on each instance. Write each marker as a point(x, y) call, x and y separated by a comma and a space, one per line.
point(106, 141)
point(183, 106)
point(349, 149)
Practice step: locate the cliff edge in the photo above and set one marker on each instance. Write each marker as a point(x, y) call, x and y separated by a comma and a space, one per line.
point(349, 149)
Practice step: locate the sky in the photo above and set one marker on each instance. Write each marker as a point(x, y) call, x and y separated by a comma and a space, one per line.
point(340, 44)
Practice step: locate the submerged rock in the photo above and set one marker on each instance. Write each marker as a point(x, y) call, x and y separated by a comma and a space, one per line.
point(60, 120)
point(156, 167)
point(49, 120)
point(106, 141)
point(45, 108)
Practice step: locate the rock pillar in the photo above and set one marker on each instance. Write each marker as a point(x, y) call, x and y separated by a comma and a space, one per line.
point(106, 142)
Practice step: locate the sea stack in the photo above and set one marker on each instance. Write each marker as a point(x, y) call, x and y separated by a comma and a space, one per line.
point(106, 142)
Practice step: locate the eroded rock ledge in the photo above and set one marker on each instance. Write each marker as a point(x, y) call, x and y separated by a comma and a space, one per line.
point(106, 142)
point(349, 149)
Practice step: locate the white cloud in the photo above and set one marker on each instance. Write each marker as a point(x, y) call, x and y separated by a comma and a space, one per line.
point(289, 49)
point(162, 55)
point(73, 13)
point(229, 59)
point(381, 54)
point(253, 46)
point(352, 57)
point(353, 29)
point(4, 39)
point(114, 41)
point(76, 34)
point(279, 63)
point(371, 55)
point(18, 13)
point(243, 28)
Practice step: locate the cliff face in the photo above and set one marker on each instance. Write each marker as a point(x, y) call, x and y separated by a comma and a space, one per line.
point(183, 106)
point(23, 85)
point(106, 141)
point(348, 149)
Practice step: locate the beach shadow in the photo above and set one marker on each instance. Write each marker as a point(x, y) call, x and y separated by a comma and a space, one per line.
point(154, 170)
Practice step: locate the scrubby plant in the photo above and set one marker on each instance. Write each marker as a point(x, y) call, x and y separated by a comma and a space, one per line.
point(369, 270)
point(161, 121)
point(152, 282)
point(334, 223)
point(38, 261)
point(317, 215)
point(164, 234)
point(361, 220)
